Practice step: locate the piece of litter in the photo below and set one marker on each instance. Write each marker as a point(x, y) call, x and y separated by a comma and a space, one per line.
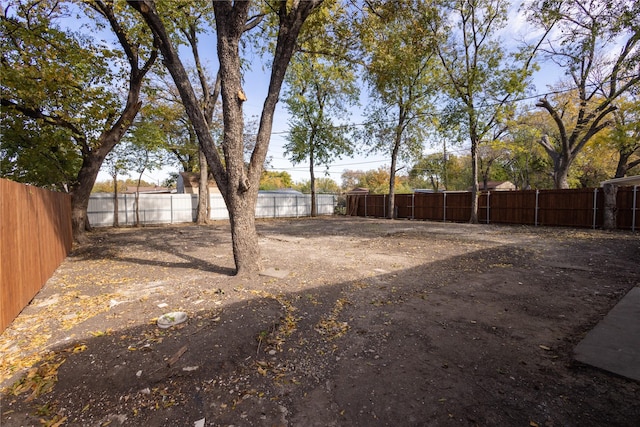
point(139, 374)
point(199, 423)
point(190, 368)
point(163, 305)
point(170, 319)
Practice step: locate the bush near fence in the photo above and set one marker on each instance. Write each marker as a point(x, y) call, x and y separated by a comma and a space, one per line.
point(35, 237)
point(178, 208)
point(568, 208)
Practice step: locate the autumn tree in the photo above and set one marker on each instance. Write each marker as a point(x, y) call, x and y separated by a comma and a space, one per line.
point(237, 182)
point(179, 137)
point(401, 74)
point(271, 180)
point(375, 180)
point(624, 135)
point(68, 84)
point(480, 78)
point(596, 46)
point(116, 163)
point(489, 156)
point(429, 171)
point(522, 159)
point(320, 90)
point(324, 185)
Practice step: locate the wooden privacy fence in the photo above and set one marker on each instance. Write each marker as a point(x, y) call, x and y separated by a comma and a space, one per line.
point(568, 208)
point(35, 236)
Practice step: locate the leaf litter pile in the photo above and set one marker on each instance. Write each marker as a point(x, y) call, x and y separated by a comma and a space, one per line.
point(372, 322)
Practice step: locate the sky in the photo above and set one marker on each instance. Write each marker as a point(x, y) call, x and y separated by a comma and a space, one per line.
point(256, 82)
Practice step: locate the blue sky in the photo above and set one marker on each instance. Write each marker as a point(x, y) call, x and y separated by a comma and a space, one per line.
point(256, 81)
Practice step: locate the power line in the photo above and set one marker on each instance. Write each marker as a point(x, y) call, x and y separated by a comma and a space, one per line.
point(486, 106)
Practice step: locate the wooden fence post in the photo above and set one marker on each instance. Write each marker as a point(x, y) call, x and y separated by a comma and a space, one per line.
point(444, 207)
point(536, 208)
point(634, 208)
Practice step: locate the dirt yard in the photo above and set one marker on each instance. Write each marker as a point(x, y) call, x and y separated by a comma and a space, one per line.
point(362, 322)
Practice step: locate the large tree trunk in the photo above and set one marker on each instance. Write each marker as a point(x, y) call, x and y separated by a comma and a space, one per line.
point(92, 158)
point(80, 193)
point(246, 251)
point(610, 207)
point(561, 178)
point(202, 215)
point(241, 194)
point(238, 185)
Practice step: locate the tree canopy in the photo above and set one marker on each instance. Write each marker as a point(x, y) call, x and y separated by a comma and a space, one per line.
point(433, 72)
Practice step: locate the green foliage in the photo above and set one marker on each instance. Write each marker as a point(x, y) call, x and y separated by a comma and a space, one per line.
point(624, 137)
point(59, 88)
point(376, 180)
point(271, 180)
point(42, 156)
point(597, 46)
point(123, 185)
point(323, 186)
point(320, 90)
point(429, 172)
point(402, 76)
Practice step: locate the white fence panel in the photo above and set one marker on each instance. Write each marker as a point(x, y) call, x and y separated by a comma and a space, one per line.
point(178, 208)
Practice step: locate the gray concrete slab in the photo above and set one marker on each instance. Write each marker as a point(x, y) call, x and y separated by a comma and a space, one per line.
point(614, 344)
point(274, 272)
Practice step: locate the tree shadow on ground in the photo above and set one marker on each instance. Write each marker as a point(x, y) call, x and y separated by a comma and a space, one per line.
point(478, 339)
point(116, 244)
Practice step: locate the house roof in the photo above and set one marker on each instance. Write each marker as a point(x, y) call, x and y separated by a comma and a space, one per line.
point(628, 180)
point(146, 190)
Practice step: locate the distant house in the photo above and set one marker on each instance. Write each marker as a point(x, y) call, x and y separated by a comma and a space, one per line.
point(189, 182)
point(359, 191)
point(496, 186)
point(285, 191)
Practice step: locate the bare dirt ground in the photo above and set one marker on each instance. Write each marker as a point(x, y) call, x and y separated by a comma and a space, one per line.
point(376, 323)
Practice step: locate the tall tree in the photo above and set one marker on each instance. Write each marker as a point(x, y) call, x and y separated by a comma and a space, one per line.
point(401, 75)
point(321, 87)
point(479, 76)
point(318, 93)
point(237, 182)
point(116, 163)
point(59, 79)
point(625, 134)
point(429, 171)
point(597, 47)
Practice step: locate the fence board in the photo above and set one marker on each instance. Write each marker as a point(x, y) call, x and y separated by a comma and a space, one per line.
point(35, 237)
point(628, 214)
point(568, 208)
